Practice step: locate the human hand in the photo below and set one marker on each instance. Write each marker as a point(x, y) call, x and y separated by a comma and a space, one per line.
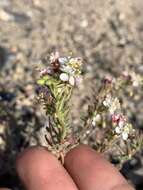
point(84, 169)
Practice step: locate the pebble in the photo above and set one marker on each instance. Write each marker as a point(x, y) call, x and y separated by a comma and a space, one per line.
point(4, 16)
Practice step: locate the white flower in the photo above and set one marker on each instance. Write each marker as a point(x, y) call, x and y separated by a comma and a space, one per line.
point(96, 119)
point(93, 123)
point(135, 83)
point(67, 69)
point(63, 60)
point(136, 79)
point(125, 135)
point(118, 130)
point(112, 109)
point(108, 100)
point(64, 77)
point(54, 57)
point(121, 123)
point(122, 128)
point(72, 80)
point(115, 105)
point(112, 104)
point(106, 103)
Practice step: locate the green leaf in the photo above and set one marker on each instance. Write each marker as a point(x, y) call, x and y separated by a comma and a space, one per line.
point(41, 81)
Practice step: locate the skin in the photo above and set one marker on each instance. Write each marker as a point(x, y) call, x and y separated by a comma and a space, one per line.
point(84, 169)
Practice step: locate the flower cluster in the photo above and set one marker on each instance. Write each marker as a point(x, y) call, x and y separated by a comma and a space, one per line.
point(112, 104)
point(121, 126)
point(126, 79)
point(67, 69)
point(108, 80)
point(104, 113)
point(55, 90)
point(136, 79)
point(96, 119)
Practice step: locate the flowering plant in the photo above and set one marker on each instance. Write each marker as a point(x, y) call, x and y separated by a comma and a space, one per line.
point(56, 85)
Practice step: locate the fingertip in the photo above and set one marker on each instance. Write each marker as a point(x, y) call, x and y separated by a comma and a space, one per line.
point(26, 157)
point(32, 159)
point(90, 170)
point(80, 152)
point(34, 163)
point(82, 156)
point(39, 169)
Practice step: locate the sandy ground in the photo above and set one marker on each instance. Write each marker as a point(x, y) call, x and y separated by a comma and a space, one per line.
point(108, 34)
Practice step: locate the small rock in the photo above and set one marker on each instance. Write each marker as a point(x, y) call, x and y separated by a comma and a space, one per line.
point(4, 16)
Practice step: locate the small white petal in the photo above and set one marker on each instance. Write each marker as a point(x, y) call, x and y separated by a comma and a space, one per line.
point(69, 70)
point(97, 117)
point(93, 123)
point(135, 83)
point(72, 59)
point(106, 103)
point(62, 60)
point(121, 124)
point(111, 110)
point(66, 69)
point(118, 130)
point(54, 56)
point(125, 136)
point(64, 77)
point(72, 80)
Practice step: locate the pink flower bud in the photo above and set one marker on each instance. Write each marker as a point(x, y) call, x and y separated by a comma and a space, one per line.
point(108, 80)
point(118, 119)
point(126, 76)
point(115, 118)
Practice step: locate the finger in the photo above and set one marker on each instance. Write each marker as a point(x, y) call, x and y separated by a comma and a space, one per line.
point(91, 171)
point(39, 169)
point(4, 189)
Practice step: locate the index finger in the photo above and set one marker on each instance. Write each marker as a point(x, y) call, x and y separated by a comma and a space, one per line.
point(39, 169)
point(91, 171)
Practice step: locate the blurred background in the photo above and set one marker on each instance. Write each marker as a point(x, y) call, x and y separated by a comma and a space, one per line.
point(107, 34)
